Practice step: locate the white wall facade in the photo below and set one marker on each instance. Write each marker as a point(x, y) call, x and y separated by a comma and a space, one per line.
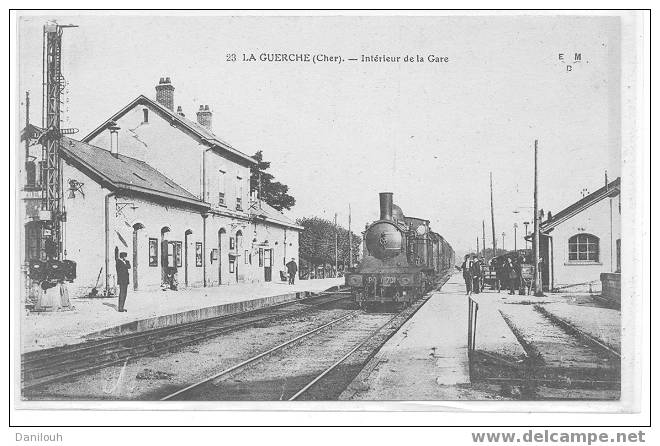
point(596, 221)
point(85, 235)
point(180, 156)
point(247, 251)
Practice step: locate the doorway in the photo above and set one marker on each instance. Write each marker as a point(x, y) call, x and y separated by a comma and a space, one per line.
point(239, 248)
point(186, 252)
point(136, 228)
point(164, 253)
point(221, 234)
point(268, 265)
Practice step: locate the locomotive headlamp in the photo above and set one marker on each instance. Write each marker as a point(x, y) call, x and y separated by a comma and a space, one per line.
point(355, 280)
point(421, 230)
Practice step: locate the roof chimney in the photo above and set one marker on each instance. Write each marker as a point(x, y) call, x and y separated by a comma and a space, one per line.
point(114, 139)
point(205, 116)
point(179, 111)
point(165, 93)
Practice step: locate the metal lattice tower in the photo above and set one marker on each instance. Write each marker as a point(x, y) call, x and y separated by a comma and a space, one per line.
point(53, 85)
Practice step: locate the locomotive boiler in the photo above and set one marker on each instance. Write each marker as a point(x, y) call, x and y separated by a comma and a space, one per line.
point(403, 258)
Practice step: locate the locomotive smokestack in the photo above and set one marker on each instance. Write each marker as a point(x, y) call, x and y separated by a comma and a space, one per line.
point(386, 205)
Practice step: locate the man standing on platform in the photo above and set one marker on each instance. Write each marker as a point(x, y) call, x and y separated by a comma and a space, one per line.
point(475, 269)
point(467, 274)
point(122, 266)
point(292, 269)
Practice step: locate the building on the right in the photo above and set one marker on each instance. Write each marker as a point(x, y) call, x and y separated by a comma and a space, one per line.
point(583, 240)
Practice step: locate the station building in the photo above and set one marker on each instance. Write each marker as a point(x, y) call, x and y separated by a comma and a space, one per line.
point(583, 240)
point(170, 193)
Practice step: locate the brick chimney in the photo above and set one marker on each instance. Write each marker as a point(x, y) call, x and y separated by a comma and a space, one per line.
point(165, 93)
point(205, 116)
point(114, 139)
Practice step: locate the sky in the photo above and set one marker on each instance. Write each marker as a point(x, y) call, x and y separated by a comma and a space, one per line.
point(341, 133)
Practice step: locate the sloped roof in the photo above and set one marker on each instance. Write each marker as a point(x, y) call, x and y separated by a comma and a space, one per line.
point(261, 209)
point(612, 189)
point(193, 127)
point(124, 173)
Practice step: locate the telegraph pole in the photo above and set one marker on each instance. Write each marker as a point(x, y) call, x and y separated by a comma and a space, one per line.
point(27, 129)
point(350, 239)
point(477, 246)
point(336, 247)
point(515, 237)
point(538, 285)
point(492, 216)
point(483, 237)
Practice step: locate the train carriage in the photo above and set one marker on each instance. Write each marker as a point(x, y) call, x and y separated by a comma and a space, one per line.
point(403, 258)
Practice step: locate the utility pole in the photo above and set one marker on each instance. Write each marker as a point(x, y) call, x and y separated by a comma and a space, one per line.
point(492, 216)
point(27, 129)
point(336, 246)
point(538, 285)
point(477, 246)
point(503, 248)
point(483, 237)
point(515, 237)
point(350, 239)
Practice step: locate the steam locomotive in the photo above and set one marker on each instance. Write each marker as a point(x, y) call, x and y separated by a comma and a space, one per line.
point(403, 258)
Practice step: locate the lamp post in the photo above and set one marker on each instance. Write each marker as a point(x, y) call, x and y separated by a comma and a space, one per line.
point(503, 234)
point(515, 237)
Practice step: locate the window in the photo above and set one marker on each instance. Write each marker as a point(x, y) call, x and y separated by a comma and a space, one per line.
point(245, 254)
point(177, 252)
point(221, 188)
point(198, 253)
point(268, 255)
point(174, 257)
point(261, 257)
point(618, 255)
point(145, 115)
point(153, 252)
point(583, 248)
point(239, 193)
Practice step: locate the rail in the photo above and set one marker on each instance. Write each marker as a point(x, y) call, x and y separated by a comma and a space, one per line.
point(253, 359)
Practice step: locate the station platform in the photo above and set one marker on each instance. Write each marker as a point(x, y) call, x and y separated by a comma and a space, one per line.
point(98, 317)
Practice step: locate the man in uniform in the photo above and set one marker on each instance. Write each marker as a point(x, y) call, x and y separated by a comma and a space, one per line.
point(292, 269)
point(122, 266)
point(467, 274)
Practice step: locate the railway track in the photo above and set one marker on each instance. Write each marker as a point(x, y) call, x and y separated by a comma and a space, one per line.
point(560, 355)
point(315, 365)
point(51, 365)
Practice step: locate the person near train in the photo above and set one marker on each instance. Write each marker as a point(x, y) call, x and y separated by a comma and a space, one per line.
point(475, 270)
point(292, 269)
point(467, 275)
point(122, 265)
point(513, 275)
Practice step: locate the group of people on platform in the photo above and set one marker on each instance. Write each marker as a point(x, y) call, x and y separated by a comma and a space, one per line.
point(508, 272)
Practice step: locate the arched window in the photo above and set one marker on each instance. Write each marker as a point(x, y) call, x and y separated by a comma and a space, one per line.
point(583, 248)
